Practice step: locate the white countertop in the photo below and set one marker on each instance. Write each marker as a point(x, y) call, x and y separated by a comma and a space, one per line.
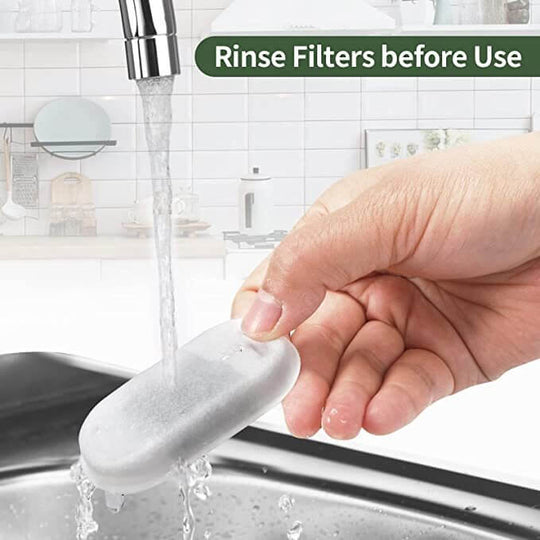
point(103, 247)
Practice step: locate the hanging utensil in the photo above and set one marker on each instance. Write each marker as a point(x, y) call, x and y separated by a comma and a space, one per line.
point(11, 209)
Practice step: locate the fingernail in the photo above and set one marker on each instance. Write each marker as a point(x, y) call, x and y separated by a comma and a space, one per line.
point(263, 315)
point(341, 424)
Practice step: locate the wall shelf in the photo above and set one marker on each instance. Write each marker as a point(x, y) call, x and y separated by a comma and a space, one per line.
point(93, 147)
point(471, 30)
point(408, 30)
point(44, 144)
point(16, 125)
point(54, 36)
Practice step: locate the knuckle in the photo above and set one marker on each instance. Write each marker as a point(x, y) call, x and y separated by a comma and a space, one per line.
point(331, 337)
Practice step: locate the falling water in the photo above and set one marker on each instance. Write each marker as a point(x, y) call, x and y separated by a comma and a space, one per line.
point(86, 525)
point(192, 481)
point(295, 532)
point(114, 501)
point(286, 503)
point(188, 520)
point(156, 98)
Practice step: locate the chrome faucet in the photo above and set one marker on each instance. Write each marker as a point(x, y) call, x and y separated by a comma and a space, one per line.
point(150, 32)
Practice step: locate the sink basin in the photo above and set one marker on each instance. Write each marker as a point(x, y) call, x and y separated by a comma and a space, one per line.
point(338, 493)
point(336, 496)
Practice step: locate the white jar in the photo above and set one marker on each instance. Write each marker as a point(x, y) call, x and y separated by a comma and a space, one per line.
point(81, 16)
point(39, 16)
point(256, 203)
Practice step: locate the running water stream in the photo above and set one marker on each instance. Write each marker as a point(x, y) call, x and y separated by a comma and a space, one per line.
point(157, 108)
point(156, 98)
point(86, 524)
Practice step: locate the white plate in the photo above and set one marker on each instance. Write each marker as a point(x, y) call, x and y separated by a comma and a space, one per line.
point(71, 120)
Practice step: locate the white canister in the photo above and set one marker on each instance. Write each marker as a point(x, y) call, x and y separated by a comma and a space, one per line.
point(39, 16)
point(256, 203)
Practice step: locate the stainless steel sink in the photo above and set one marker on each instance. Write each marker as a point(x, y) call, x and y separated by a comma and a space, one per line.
point(338, 493)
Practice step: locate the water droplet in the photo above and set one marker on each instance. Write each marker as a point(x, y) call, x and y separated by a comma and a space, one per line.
point(186, 525)
point(256, 508)
point(285, 503)
point(200, 469)
point(201, 491)
point(207, 534)
point(184, 492)
point(295, 532)
point(114, 501)
point(265, 470)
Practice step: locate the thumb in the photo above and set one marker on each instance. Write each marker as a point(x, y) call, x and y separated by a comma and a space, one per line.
point(325, 255)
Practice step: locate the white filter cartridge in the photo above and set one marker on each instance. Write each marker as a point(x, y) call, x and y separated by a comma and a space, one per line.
point(224, 381)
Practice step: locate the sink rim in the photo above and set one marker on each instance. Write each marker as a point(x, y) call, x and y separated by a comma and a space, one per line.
point(505, 509)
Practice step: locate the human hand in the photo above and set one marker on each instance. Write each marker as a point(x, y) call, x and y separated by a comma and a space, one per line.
point(405, 284)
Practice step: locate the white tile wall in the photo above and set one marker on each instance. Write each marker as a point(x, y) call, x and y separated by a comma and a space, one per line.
point(389, 105)
point(503, 104)
point(11, 82)
point(329, 106)
point(225, 136)
point(51, 82)
point(446, 104)
point(220, 108)
point(53, 54)
point(306, 133)
point(276, 135)
point(276, 107)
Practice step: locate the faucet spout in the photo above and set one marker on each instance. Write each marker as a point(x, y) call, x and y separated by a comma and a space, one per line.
point(151, 43)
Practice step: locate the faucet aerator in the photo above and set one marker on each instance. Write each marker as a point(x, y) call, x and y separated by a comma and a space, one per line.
point(151, 42)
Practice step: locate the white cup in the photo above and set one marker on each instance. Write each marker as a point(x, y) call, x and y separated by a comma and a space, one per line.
point(142, 212)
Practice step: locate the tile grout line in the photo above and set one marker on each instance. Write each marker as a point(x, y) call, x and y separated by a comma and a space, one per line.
point(531, 104)
point(474, 102)
point(249, 128)
point(304, 147)
point(192, 93)
point(417, 103)
point(363, 143)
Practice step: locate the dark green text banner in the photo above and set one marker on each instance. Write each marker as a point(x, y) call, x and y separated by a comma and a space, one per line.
point(370, 56)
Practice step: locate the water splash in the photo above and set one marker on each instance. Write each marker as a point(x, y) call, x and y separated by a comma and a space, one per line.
point(114, 501)
point(201, 491)
point(188, 519)
point(286, 503)
point(200, 470)
point(156, 98)
point(86, 525)
point(295, 532)
point(191, 480)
